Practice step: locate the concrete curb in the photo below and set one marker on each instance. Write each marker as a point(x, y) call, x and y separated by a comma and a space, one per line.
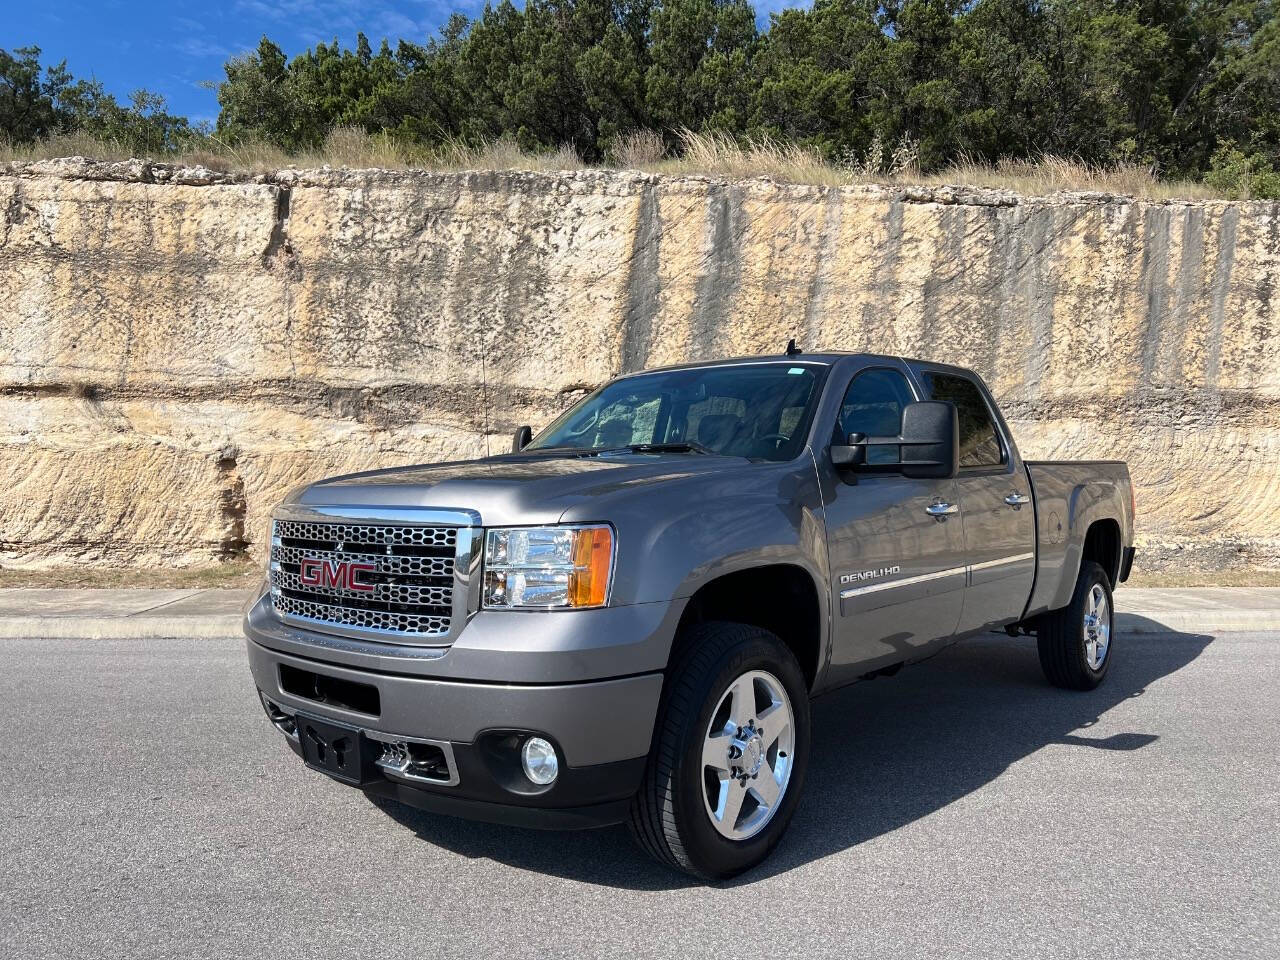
point(118, 628)
point(1198, 621)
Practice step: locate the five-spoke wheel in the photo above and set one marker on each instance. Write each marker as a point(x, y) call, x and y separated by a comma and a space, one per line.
point(1097, 626)
point(746, 755)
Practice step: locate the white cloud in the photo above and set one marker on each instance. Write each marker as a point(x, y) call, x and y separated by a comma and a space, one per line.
point(202, 47)
point(766, 7)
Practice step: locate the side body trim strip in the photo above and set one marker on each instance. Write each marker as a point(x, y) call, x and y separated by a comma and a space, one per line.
point(967, 569)
point(904, 582)
point(1000, 562)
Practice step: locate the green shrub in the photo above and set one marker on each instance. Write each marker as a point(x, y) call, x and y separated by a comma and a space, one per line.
point(1242, 176)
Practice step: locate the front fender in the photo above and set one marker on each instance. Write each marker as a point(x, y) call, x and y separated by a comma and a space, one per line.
point(711, 544)
point(676, 539)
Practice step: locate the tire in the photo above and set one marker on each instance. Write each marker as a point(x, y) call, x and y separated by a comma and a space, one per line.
point(1063, 637)
point(672, 816)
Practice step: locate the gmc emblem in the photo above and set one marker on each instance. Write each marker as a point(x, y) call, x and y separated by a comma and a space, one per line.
point(339, 574)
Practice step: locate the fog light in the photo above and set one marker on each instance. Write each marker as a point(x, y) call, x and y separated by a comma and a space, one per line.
point(540, 763)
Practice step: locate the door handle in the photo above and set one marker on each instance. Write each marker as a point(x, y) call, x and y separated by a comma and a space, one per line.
point(940, 511)
point(1016, 500)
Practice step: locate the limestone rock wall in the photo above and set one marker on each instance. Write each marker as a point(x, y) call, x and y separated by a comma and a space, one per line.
point(178, 348)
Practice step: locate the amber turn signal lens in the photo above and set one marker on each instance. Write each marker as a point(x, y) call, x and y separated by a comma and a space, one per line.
point(592, 558)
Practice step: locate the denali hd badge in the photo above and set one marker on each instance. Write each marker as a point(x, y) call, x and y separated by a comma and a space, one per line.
point(862, 575)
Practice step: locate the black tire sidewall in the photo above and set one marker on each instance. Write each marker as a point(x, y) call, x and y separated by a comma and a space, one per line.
point(710, 852)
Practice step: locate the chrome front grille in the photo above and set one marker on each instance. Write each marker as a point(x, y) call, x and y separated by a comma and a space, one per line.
point(367, 533)
point(392, 582)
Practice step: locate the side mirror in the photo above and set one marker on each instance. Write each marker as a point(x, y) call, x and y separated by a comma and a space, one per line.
point(930, 440)
point(928, 446)
point(521, 439)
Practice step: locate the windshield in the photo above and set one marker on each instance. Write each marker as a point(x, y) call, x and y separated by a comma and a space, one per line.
point(759, 411)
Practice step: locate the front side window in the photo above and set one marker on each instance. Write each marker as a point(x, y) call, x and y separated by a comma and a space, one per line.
point(979, 443)
point(873, 406)
point(759, 411)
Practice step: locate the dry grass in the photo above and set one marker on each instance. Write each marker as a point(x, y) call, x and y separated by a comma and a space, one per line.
point(719, 155)
point(706, 154)
point(64, 145)
point(500, 155)
point(1054, 174)
point(354, 149)
point(637, 150)
point(348, 147)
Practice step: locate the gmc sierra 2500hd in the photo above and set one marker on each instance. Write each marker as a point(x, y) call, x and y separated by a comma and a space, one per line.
point(625, 618)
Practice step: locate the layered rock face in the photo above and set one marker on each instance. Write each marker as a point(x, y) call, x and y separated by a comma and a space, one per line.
point(179, 348)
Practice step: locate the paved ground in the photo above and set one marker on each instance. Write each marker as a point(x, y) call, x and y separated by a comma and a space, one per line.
point(962, 808)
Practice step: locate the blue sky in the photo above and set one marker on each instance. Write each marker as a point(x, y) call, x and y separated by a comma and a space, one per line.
point(171, 48)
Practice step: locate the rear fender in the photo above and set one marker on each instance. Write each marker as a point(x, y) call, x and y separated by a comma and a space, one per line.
point(1063, 520)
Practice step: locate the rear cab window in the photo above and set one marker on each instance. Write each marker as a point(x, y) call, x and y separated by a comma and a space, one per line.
point(980, 443)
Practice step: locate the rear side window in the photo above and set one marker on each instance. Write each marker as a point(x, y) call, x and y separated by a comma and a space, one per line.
point(979, 443)
point(873, 406)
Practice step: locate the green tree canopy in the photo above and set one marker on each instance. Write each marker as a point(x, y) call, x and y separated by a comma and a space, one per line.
point(1189, 87)
point(37, 103)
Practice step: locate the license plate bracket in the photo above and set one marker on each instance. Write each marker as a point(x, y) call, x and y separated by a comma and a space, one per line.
point(334, 749)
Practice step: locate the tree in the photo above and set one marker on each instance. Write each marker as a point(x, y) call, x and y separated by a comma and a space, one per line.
point(26, 102)
point(823, 77)
point(701, 52)
point(257, 99)
point(1239, 104)
point(1187, 87)
point(34, 109)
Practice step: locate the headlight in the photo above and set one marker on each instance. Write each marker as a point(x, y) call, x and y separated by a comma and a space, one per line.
point(547, 566)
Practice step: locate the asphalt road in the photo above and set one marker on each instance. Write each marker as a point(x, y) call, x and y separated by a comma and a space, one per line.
point(962, 808)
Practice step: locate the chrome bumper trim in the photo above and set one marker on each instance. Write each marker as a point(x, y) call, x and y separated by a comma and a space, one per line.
point(320, 512)
point(400, 771)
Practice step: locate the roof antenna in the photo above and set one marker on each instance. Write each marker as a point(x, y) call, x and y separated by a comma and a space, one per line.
point(792, 349)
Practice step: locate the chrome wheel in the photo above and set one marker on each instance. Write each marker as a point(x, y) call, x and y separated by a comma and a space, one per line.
point(747, 755)
point(1097, 627)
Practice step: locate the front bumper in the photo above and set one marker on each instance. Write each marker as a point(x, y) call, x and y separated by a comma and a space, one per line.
point(498, 646)
point(601, 729)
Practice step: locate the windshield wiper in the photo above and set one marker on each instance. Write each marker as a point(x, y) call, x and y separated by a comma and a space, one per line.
point(683, 446)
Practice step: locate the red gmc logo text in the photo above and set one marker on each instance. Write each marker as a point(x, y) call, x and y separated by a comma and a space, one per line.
point(344, 574)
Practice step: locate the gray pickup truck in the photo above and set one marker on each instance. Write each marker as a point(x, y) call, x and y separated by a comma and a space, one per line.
point(625, 618)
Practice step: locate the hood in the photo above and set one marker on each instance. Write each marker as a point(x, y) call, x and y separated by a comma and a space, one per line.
point(514, 489)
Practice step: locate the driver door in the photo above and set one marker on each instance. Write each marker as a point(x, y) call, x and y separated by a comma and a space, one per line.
point(895, 543)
